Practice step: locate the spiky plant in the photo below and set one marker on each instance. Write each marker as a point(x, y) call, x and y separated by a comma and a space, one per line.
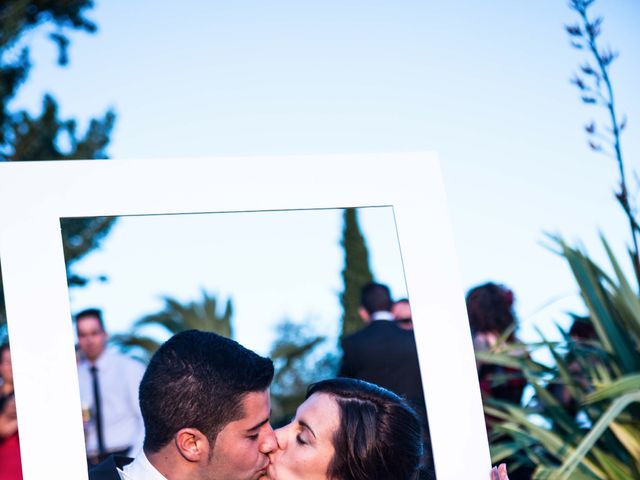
point(584, 421)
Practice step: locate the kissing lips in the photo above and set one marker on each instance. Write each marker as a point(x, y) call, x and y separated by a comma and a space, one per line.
point(263, 472)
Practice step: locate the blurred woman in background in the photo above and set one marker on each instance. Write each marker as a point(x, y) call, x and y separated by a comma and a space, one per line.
point(491, 318)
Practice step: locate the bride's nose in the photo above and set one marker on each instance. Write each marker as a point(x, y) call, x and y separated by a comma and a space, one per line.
point(281, 437)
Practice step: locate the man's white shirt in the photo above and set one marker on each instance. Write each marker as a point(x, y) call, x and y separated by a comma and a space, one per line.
point(140, 469)
point(381, 315)
point(119, 378)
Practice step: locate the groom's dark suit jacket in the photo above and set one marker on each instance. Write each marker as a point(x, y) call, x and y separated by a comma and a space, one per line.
point(384, 354)
point(108, 470)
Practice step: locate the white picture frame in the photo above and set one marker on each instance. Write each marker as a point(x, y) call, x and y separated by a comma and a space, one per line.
point(34, 196)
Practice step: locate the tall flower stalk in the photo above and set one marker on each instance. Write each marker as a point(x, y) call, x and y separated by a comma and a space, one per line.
point(594, 83)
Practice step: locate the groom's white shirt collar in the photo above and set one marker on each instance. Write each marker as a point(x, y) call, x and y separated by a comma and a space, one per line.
point(140, 469)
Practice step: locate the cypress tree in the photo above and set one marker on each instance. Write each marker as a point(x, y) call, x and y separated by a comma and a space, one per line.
point(356, 272)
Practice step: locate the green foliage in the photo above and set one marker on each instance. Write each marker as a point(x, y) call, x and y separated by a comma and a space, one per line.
point(298, 364)
point(356, 272)
point(17, 17)
point(585, 421)
point(38, 138)
point(177, 317)
point(79, 237)
point(24, 137)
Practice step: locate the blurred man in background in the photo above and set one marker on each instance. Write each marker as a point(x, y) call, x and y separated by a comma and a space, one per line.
point(109, 384)
point(401, 311)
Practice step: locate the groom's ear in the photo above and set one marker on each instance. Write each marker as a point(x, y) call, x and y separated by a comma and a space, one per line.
point(192, 444)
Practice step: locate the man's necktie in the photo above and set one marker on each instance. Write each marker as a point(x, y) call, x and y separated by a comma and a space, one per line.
point(97, 400)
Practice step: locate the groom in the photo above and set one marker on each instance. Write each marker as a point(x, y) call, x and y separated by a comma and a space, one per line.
point(205, 406)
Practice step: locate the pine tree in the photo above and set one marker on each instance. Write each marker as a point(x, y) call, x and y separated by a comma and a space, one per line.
point(356, 272)
point(25, 137)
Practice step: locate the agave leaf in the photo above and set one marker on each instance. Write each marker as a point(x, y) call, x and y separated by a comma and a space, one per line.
point(630, 438)
point(504, 337)
point(627, 293)
point(567, 378)
point(505, 450)
point(578, 455)
point(494, 412)
point(590, 277)
point(517, 433)
point(600, 374)
point(627, 318)
point(556, 411)
point(544, 472)
point(621, 386)
point(557, 244)
point(615, 469)
point(511, 361)
point(521, 444)
point(554, 444)
point(587, 284)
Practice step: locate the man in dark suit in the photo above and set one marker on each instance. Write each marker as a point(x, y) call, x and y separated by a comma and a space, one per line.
point(382, 353)
point(385, 354)
point(201, 397)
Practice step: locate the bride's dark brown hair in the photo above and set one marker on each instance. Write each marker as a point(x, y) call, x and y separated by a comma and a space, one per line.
point(379, 435)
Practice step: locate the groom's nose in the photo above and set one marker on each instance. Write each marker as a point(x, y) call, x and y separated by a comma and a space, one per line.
point(269, 442)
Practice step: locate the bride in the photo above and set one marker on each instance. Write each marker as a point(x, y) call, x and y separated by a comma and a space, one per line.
point(348, 429)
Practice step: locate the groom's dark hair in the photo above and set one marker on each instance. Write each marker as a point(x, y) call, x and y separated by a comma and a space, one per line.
point(198, 380)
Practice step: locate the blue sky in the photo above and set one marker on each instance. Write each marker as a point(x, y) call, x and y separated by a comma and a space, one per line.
point(274, 266)
point(485, 84)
